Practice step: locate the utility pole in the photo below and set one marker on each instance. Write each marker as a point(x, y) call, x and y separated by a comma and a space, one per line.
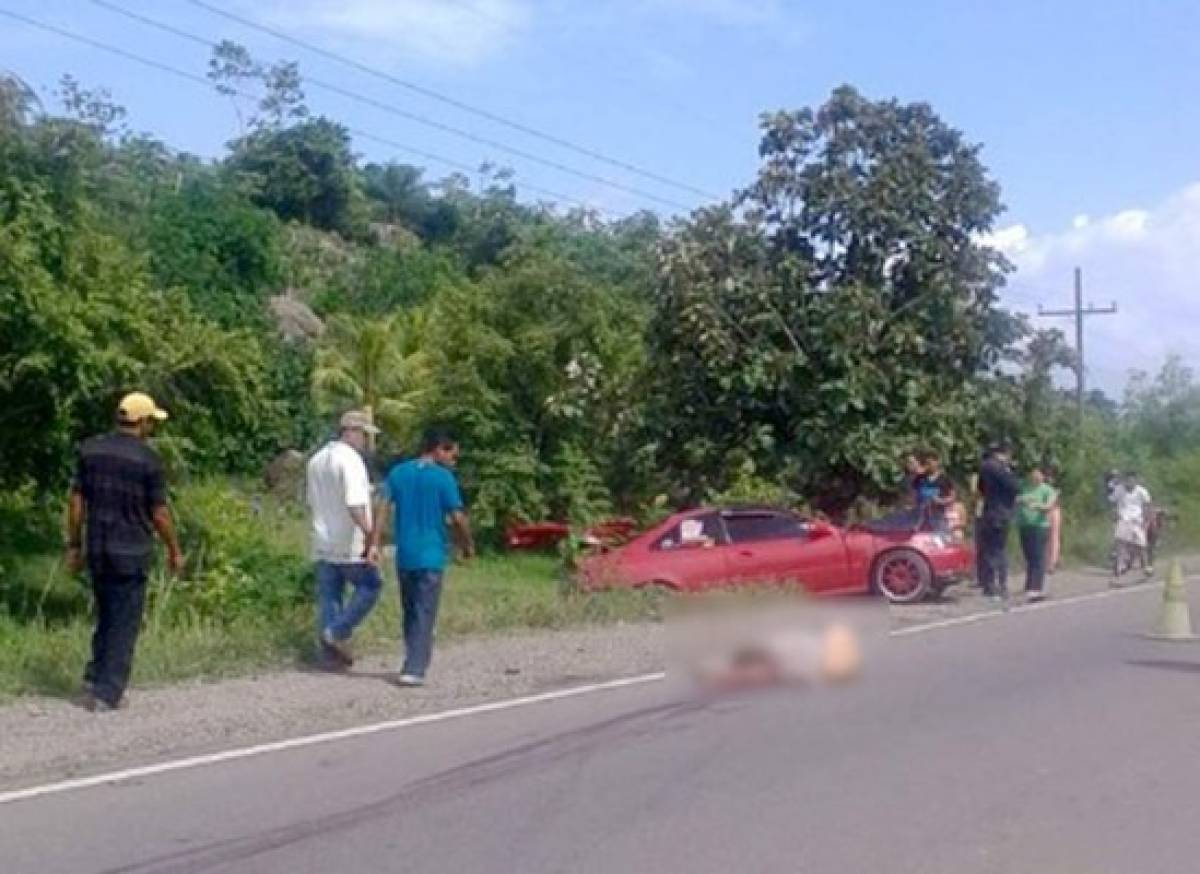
point(1078, 314)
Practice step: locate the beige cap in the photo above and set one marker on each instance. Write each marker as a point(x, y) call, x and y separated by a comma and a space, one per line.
point(137, 407)
point(358, 420)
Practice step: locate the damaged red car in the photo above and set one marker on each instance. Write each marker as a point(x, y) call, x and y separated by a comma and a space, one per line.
point(718, 547)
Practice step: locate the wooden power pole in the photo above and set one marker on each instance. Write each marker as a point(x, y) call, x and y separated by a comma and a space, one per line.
point(1079, 313)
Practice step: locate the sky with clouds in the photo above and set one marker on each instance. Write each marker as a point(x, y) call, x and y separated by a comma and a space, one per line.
point(1086, 111)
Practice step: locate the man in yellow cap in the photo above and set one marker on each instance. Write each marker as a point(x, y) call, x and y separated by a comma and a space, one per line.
point(119, 495)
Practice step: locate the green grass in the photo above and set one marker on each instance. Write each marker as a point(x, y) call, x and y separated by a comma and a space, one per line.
point(45, 654)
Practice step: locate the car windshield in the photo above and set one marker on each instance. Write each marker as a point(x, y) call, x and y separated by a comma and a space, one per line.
point(907, 520)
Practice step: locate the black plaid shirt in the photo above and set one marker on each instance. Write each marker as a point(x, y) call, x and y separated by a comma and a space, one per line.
point(121, 480)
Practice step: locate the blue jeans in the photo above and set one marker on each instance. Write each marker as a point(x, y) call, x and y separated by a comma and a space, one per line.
point(420, 593)
point(336, 615)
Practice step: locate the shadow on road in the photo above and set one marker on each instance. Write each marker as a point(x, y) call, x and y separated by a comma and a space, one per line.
point(1166, 665)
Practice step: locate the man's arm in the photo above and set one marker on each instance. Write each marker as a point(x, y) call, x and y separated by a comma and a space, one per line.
point(460, 525)
point(362, 519)
point(165, 526)
point(76, 511)
point(383, 512)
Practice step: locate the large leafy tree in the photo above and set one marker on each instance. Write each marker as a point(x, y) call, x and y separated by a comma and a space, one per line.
point(839, 312)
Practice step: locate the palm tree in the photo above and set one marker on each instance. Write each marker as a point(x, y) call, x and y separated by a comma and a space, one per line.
point(376, 365)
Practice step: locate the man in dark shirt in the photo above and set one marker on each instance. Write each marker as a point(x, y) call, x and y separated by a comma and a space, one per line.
point(999, 488)
point(119, 493)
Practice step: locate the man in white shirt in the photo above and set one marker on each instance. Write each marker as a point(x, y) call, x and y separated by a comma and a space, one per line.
point(339, 496)
point(1133, 505)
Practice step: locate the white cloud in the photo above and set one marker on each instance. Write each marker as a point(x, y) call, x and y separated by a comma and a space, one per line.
point(770, 18)
point(459, 32)
point(1146, 260)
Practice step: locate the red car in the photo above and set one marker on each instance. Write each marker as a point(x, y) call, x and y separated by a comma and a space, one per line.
point(707, 548)
point(543, 535)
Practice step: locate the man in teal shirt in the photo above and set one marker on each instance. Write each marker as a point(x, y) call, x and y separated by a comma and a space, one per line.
point(423, 494)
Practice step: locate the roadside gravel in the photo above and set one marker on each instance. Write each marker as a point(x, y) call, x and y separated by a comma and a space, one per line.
point(47, 739)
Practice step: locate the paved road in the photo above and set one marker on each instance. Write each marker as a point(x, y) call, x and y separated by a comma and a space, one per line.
point(1050, 741)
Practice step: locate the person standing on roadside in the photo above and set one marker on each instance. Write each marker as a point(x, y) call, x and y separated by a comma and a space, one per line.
point(935, 492)
point(424, 497)
point(1134, 513)
point(119, 496)
point(343, 548)
point(1037, 501)
point(1054, 543)
point(998, 488)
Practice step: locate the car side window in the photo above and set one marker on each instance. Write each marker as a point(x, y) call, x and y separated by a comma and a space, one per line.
point(703, 530)
point(757, 527)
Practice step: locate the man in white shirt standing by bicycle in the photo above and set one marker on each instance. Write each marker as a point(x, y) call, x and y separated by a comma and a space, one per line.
point(1134, 508)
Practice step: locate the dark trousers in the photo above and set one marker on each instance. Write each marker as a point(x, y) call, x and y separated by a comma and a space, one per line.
point(991, 545)
point(1033, 546)
point(120, 600)
point(420, 594)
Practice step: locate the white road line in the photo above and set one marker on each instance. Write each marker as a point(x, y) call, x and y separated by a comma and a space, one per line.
point(1022, 608)
point(492, 707)
point(313, 739)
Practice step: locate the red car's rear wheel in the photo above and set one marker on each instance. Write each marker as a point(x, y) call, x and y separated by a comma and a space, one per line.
point(903, 576)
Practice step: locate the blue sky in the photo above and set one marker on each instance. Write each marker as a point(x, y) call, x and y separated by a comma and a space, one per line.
point(1086, 111)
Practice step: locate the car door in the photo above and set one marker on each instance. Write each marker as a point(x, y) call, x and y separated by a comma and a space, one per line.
point(693, 554)
point(774, 546)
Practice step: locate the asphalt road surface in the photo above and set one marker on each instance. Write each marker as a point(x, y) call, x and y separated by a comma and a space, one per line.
point(1054, 741)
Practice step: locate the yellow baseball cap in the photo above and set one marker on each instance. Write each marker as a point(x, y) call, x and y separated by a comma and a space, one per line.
point(138, 406)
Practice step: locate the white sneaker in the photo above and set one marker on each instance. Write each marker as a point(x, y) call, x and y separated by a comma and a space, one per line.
point(410, 680)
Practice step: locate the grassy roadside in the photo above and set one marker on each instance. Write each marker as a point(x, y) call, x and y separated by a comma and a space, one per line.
point(247, 603)
point(491, 595)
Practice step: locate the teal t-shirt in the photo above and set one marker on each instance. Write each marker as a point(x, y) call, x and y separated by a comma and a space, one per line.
point(423, 494)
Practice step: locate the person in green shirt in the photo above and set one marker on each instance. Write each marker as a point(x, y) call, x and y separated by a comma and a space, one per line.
point(1034, 505)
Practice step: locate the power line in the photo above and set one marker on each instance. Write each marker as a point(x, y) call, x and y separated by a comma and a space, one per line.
point(456, 103)
point(1078, 313)
point(692, 112)
point(412, 116)
point(200, 80)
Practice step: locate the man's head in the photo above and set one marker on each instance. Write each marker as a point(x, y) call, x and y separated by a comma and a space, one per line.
point(931, 462)
point(356, 429)
point(1000, 450)
point(137, 414)
point(441, 446)
point(1037, 476)
point(1131, 478)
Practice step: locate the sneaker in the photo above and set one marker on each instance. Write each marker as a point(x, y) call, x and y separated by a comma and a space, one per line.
point(411, 681)
point(338, 649)
point(1035, 597)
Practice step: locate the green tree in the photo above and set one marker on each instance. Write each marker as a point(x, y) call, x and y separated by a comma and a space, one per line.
point(537, 366)
point(839, 313)
point(378, 365)
point(303, 173)
point(399, 196)
point(1162, 413)
point(220, 249)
